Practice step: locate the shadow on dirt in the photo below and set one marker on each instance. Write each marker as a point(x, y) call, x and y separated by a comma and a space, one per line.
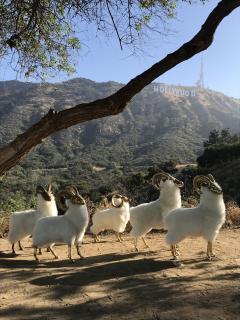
point(120, 290)
point(99, 273)
point(121, 286)
point(9, 261)
point(130, 278)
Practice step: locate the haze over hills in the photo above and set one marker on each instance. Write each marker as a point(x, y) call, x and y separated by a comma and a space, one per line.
point(161, 123)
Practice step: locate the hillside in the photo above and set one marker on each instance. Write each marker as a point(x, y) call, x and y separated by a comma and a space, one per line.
point(156, 126)
point(111, 153)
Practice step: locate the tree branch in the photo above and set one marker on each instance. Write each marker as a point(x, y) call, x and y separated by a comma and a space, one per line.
point(12, 41)
point(12, 154)
point(114, 24)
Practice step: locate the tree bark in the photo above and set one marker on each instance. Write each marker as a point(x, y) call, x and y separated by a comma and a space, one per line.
point(11, 154)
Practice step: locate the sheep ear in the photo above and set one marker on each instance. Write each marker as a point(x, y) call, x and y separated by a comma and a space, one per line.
point(49, 188)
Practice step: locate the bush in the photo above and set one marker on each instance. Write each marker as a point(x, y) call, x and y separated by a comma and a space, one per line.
point(232, 214)
point(4, 224)
point(219, 153)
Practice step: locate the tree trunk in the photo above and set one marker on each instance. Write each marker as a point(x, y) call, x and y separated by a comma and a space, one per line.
point(11, 154)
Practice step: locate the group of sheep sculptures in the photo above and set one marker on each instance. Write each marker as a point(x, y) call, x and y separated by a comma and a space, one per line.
point(47, 228)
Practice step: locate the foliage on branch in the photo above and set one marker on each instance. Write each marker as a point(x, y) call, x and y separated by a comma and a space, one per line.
point(40, 37)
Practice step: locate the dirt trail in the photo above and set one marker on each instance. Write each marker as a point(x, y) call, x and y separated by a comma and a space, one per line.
point(114, 282)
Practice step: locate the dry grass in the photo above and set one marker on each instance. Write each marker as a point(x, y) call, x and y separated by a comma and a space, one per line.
point(191, 202)
point(4, 226)
point(232, 214)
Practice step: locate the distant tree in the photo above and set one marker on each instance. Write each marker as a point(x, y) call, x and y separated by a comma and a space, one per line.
point(40, 33)
point(221, 137)
point(168, 166)
point(221, 146)
point(213, 138)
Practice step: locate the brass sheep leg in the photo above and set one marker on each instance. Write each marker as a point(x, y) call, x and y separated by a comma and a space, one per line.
point(145, 243)
point(20, 246)
point(210, 253)
point(53, 253)
point(177, 250)
point(211, 250)
point(40, 250)
point(13, 250)
point(118, 237)
point(96, 238)
point(135, 244)
point(70, 253)
point(35, 254)
point(78, 251)
point(174, 251)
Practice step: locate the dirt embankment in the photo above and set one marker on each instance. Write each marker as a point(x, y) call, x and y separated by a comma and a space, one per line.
point(114, 282)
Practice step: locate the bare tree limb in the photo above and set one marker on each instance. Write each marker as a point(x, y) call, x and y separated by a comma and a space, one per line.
point(114, 24)
point(12, 154)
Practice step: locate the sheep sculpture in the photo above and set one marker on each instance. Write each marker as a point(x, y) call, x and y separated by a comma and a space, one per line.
point(22, 223)
point(205, 220)
point(68, 229)
point(115, 218)
point(148, 216)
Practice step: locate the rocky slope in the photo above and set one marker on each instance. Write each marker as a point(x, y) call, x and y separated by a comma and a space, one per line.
point(161, 123)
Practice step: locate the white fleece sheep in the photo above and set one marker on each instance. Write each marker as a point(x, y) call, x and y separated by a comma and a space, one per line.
point(115, 218)
point(148, 216)
point(22, 223)
point(205, 220)
point(67, 229)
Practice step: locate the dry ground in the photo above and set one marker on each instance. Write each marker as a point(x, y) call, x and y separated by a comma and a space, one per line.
point(114, 282)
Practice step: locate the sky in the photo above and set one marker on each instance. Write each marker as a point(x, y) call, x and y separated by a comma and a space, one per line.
point(102, 59)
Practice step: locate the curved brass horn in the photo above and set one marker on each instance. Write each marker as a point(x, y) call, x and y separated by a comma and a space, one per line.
point(156, 179)
point(63, 194)
point(46, 196)
point(103, 203)
point(125, 199)
point(199, 180)
point(49, 188)
point(76, 197)
point(73, 189)
point(114, 197)
point(178, 183)
point(210, 176)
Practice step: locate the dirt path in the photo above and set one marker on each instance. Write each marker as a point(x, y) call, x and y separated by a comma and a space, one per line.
point(114, 282)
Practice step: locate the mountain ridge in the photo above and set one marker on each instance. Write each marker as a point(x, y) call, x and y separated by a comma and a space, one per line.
point(156, 126)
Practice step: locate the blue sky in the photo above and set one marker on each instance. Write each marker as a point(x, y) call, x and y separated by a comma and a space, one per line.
point(102, 60)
